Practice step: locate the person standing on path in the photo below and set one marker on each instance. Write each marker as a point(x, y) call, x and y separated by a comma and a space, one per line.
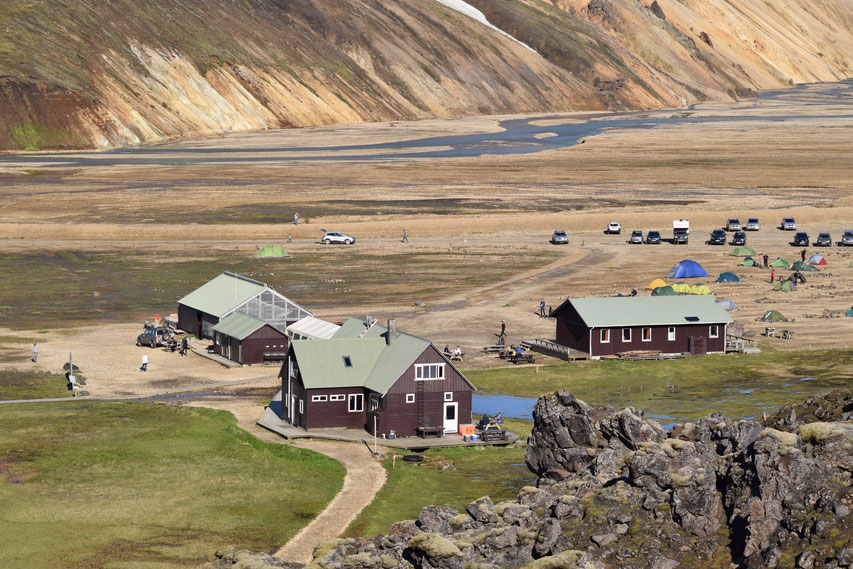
point(295, 219)
point(772, 275)
point(144, 363)
point(405, 237)
point(503, 328)
point(542, 308)
point(184, 346)
point(35, 352)
point(765, 260)
point(803, 255)
point(289, 238)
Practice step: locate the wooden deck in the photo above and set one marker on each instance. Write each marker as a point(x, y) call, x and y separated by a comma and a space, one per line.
point(741, 345)
point(555, 350)
point(272, 422)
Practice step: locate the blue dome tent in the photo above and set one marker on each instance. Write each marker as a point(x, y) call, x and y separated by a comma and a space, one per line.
point(686, 269)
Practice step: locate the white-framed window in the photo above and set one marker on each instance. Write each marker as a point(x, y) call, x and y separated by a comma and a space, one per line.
point(410, 397)
point(301, 406)
point(626, 334)
point(356, 403)
point(647, 334)
point(339, 397)
point(605, 335)
point(319, 398)
point(429, 371)
point(670, 333)
point(714, 331)
point(448, 396)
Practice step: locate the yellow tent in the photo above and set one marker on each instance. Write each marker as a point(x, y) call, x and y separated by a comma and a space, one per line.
point(655, 284)
point(699, 289)
point(681, 288)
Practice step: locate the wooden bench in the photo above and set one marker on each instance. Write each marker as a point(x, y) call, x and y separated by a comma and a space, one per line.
point(787, 334)
point(491, 434)
point(521, 358)
point(424, 432)
point(457, 357)
point(493, 349)
point(770, 331)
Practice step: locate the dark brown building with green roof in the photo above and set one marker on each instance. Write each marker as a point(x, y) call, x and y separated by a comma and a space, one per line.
point(368, 372)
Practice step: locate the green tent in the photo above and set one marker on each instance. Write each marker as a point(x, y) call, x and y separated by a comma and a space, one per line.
point(780, 262)
point(748, 262)
point(272, 251)
point(800, 266)
point(728, 278)
point(773, 316)
point(785, 286)
point(663, 291)
point(742, 252)
point(850, 312)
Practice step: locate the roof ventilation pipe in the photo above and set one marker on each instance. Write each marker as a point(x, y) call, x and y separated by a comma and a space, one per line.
point(392, 332)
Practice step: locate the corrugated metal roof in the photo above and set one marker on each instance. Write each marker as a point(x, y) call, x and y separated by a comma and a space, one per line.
point(322, 365)
point(239, 326)
point(222, 294)
point(313, 328)
point(649, 310)
point(324, 358)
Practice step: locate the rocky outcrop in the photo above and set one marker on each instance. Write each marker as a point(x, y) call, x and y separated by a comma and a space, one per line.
point(618, 490)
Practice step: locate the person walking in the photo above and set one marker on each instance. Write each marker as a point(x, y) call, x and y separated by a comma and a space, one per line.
point(542, 308)
point(772, 275)
point(184, 345)
point(765, 260)
point(35, 352)
point(144, 363)
point(295, 219)
point(405, 237)
point(289, 238)
point(503, 328)
point(803, 255)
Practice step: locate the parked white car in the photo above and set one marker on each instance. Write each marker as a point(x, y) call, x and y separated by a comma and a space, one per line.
point(336, 237)
point(788, 224)
point(752, 224)
point(614, 228)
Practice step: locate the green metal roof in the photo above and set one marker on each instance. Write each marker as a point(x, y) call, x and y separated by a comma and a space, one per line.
point(222, 294)
point(649, 311)
point(321, 362)
point(376, 365)
point(239, 326)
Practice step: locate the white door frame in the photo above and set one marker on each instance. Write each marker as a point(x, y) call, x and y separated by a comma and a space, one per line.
point(451, 426)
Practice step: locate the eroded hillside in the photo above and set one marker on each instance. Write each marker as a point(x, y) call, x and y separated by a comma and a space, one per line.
point(88, 74)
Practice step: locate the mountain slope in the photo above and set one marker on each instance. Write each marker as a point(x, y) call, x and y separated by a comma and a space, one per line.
point(93, 74)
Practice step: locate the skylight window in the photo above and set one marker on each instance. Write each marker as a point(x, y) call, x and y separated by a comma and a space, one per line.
point(692, 318)
point(347, 361)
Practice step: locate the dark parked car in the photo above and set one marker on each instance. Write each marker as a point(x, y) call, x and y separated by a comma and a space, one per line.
point(653, 237)
point(801, 239)
point(636, 236)
point(154, 337)
point(739, 238)
point(718, 237)
point(823, 240)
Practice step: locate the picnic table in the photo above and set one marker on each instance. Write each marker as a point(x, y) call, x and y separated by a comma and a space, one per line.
point(521, 358)
point(770, 331)
point(492, 432)
point(457, 357)
point(426, 431)
point(494, 348)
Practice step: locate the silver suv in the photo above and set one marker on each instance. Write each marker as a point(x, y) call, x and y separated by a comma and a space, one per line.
point(636, 236)
point(733, 224)
point(560, 238)
point(847, 238)
point(158, 336)
point(336, 237)
point(752, 224)
point(788, 224)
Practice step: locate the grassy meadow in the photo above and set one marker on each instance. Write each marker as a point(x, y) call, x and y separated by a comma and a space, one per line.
point(450, 477)
point(742, 386)
point(60, 289)
point(133, 485)
point(31, 385)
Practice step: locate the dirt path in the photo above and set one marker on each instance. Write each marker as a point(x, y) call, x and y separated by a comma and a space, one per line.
point(364, 478)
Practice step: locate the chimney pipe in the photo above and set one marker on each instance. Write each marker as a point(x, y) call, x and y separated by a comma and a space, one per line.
point(392, 332)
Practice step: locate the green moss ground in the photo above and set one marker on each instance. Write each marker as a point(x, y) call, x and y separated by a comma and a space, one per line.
point(743, 386)
point(450, 477)
point(121, 485)
point(31, 385)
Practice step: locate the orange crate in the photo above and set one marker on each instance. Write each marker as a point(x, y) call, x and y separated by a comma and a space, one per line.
point(466, 429)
